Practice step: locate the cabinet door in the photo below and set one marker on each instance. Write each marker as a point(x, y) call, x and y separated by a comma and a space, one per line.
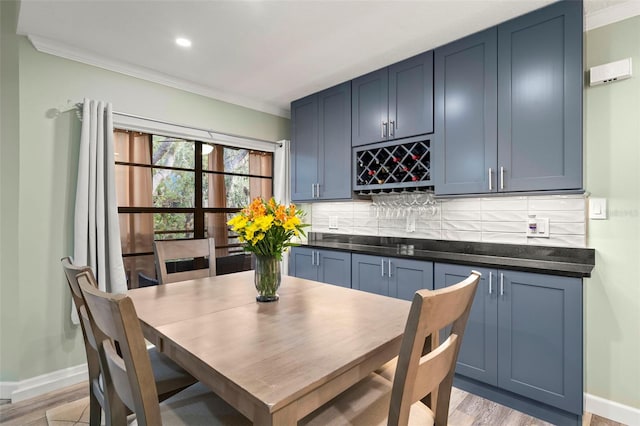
point(466, 115)
point(478, 357)
point(367, 274)
point(540, 99)
point(408, 276)
point(540, 338)
point(301, 263)
point(369, 107)
point(334, 150)
point(304, 147)
point(411, 97)
point(335, 267)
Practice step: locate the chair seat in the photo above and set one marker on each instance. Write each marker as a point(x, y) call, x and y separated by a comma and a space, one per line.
point(365, 404)
point(197, 405)
point(169, 375)
point(388, 371)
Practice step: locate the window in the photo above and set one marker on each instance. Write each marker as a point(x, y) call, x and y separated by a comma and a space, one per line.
point(170, 188)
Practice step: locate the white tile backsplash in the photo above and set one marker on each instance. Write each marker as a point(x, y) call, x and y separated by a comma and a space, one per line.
point(499, 220)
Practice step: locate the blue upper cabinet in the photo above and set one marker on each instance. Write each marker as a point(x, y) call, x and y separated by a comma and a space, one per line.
point(411, 97)
point(369, 107)
point(508, 106)
point(540, 99)
point(393, 102)
point(304, 147)
point(320, 145)
point(466, 115)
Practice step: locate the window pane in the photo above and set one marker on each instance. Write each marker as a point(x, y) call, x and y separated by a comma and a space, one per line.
point(170, 226)
point(172, 152)
point(227, 191)
point(133, 186)
point(140, 271)
point(239, 161)
point(136, 232)
point(173, 188)
point(225, 239)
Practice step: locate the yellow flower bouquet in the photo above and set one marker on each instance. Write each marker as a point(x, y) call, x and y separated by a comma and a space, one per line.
point(266, 229)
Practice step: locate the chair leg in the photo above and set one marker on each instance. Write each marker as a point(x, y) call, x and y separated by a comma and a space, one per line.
point(95, 410)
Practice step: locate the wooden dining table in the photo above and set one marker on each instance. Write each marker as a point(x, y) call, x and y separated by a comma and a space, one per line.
point(274, 362)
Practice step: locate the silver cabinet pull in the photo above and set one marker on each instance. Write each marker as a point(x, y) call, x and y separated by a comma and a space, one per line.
point(313, 190)
point(490, 179)
point(490, 282)
point(317, 190)
point(389, 268)
point(317, 258)
point(313, 258)
point(501, 177)
point(384, 129)
point(392, 125)
point(501, 284)
point(382, 267)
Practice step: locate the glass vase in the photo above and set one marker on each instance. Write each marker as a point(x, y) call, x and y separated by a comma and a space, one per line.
point(267, 278)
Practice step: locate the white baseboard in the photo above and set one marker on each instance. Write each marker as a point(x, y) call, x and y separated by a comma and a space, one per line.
point(35, 386)
point(611, 410)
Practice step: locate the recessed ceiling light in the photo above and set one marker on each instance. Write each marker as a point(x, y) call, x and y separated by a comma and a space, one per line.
point(183, 42)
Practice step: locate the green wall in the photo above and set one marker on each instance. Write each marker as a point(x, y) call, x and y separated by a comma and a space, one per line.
point(9, 157)
point(612, 146)
point(39, 161)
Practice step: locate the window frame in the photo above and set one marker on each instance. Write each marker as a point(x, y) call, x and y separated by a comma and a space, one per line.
point(198, 210)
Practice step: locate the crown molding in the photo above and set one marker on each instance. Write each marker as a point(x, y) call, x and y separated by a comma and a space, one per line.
point(46, 45)
point(612, 14)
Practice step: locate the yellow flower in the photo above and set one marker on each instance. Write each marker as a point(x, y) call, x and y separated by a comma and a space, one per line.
point(237, 222)
point(266, 227)
point(264, 223)
point(291, 223)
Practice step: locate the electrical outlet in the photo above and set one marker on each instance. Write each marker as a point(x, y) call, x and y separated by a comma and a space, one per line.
point(333, 222)
point(411, 223)
point(538, 227)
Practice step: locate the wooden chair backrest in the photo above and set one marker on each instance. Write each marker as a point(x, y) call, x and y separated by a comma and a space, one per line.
point(128, 371)
point(100, 386)
point(91, 347)
point(167, 250)
point(425, 367)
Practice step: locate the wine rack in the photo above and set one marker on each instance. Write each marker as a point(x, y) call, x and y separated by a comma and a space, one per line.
point(394, 164)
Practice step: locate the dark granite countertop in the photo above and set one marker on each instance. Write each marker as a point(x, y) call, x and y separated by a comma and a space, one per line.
point(571, 262)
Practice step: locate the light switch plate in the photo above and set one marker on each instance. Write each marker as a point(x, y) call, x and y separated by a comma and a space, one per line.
point(597, 208)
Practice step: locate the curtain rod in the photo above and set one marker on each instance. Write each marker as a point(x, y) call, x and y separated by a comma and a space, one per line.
point(185, 126)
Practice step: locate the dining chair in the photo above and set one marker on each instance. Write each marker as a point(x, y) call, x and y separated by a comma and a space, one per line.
point(421, 388)
point(171, 250)
point(169, 377)
point(129, 373)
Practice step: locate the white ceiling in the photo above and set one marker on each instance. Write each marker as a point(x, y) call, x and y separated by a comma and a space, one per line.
point(261, 54)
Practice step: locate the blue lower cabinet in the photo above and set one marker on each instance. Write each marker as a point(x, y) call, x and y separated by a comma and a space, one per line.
point(327, 266)
point(540, 338)
point(523, 340)
point(390, 276)
point(478, 357)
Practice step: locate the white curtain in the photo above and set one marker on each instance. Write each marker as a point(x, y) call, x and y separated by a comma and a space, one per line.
point(96, 228)
point(282, 185)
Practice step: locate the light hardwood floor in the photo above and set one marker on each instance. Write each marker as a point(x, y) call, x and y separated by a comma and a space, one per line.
point(466, 410)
